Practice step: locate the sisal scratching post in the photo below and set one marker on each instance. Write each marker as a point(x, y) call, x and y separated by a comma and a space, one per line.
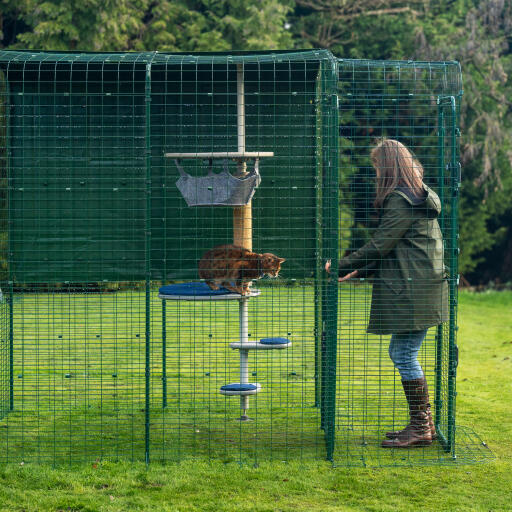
point(242, 215)
point(242, 226)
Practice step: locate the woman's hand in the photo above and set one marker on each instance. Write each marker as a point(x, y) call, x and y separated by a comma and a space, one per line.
point(340, 279)
point(348, 276)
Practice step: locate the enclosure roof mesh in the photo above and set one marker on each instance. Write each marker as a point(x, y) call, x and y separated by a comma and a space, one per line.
point(163, 58)
point(357, 76)
point(398, 78)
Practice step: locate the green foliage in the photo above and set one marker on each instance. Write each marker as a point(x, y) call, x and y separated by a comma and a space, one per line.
point(205, 25)
point(145, 25)
point(475, 32)
point(69, 25)
point(366, 29)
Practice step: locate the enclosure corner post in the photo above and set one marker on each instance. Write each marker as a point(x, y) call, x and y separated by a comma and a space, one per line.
point(330, 243)
point(318, 285)
point(147, 256)
point(440, 330)
point(10, 280)
point(453, 353)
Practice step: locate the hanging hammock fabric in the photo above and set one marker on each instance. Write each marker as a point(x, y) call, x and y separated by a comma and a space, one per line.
point(222, 189)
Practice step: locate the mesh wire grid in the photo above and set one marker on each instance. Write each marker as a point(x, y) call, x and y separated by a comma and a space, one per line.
point(93, 364)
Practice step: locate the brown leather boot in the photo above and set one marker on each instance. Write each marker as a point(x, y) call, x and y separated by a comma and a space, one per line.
point(418, 432)
point(405, 385)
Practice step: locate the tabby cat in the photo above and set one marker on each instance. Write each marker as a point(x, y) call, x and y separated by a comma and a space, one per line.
point(227, 264)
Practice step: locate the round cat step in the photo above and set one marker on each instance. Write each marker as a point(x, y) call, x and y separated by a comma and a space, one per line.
point(263, 344)
point(276, 342)
point(240, 389)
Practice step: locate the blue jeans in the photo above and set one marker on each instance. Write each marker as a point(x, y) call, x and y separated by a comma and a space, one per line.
point(403, 351)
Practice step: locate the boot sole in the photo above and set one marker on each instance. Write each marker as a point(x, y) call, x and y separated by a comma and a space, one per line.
point(419, 444)
point(395, 434)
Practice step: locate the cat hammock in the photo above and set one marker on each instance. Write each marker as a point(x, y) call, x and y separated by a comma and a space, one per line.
point(224, 189)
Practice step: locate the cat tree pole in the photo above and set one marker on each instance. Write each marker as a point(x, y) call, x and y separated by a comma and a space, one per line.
point(242, 236)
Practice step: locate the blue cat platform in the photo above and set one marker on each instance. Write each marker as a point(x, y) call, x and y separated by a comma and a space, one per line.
point(263, 344)
point(200, 291)
point(240, 389)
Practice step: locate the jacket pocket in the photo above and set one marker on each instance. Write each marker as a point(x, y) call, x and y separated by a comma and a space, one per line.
point(396, 285)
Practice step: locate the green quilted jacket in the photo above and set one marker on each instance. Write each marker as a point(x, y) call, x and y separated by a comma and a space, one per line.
point(410, 291)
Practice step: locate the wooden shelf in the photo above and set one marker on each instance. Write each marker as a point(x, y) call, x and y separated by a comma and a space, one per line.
point(236, 155)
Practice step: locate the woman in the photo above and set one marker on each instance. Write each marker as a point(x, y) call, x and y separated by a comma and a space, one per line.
point(409, 290)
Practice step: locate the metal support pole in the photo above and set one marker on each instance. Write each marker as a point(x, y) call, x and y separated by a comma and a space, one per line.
point(438, 401)
point(453, 354)
point(244, 354)
point(11, 347)
point(240, 107)
point(319, 272)
point(242, 236)
point(164, 355)
point(147, 250)
point(330, 243)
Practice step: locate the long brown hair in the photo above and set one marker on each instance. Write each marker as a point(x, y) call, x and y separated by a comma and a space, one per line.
point(395, 166)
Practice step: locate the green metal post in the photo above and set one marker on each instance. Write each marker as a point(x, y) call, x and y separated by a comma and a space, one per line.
point(439, 336)
point(453, 349)
point(11, 347)
point(318, 246)
point(323, 253)
point(331, 238)
point(164, 355)
point(9, 251)
point(148, 254)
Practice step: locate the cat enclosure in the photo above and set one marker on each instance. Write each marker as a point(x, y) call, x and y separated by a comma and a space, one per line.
point(118, 172)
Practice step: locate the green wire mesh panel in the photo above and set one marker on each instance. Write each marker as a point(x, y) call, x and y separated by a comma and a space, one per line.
point(287, 99)
point(417, 104)
point(96, 363)
point(76, 257)
point(100, 366)
point(5, 339)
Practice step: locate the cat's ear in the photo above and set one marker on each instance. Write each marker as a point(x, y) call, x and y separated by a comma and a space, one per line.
point(281, 260)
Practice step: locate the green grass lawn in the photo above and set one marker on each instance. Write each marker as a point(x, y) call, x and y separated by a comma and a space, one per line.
point(483, 403)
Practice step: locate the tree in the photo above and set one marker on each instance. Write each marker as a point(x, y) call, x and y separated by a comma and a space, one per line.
point(69, 25)
point(477, 33)
point(372, 29)
point(145, 25)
